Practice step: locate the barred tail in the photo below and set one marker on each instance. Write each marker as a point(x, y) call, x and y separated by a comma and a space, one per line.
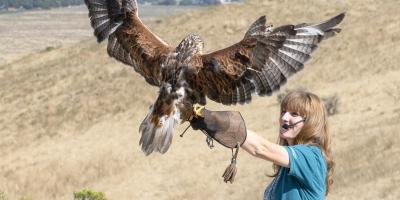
point(157, 137)
point(107, 15)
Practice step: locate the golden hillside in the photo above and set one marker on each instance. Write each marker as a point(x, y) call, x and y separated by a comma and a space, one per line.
point(69, 116)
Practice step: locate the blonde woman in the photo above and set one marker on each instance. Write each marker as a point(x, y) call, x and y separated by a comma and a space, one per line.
point(302, 160)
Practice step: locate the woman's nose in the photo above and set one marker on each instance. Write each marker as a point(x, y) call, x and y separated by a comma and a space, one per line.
point(285, 116)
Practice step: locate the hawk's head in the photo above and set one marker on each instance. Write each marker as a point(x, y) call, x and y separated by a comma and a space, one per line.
point(189, 46)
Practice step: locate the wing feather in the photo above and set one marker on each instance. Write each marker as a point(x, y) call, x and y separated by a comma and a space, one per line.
point(263, 61)
point(129, 40)
point(145, 49)
point(257, 81)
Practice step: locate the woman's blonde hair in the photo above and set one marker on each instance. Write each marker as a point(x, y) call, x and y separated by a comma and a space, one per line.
point(315, 129)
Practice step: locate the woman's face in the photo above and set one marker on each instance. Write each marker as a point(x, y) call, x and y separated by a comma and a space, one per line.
point(290, 125)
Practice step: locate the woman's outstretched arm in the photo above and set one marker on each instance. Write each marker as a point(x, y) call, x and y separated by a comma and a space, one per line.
point(262, 148)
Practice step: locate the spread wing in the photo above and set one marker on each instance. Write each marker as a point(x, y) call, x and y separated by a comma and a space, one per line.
point(262, 61)
point(129, 40)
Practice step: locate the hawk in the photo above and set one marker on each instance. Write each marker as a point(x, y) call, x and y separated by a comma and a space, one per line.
point(259, 64)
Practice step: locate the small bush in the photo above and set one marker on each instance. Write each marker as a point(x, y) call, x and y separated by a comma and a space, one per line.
point(3, 196)
point(25, 198)
point(89, 195)
point(331, 104)
point(282, 94)
point(49, 48)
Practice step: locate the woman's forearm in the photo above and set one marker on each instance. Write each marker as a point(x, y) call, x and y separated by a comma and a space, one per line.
point(264, 149)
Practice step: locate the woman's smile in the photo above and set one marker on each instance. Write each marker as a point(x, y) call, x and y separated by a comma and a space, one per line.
point(290, 125)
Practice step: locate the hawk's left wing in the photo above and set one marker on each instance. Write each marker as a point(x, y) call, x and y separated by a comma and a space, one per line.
point(262, 61)
point(129, 40)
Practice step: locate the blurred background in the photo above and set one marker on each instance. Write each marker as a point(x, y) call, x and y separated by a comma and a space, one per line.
point(69, 114)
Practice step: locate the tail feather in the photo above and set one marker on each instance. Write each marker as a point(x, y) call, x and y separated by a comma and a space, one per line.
point(107, 15)
point(157, 137)
point(166, 139)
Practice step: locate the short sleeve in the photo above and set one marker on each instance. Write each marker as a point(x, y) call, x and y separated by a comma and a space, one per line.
point(307, 165)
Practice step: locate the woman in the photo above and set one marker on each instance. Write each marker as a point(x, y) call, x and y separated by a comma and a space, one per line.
point(302, 160)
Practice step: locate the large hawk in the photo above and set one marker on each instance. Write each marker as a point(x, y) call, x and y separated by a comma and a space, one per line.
point(259, 64)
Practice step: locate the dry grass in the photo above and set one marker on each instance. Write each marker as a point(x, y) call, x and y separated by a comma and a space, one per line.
point(22, 33)
point(69, 116)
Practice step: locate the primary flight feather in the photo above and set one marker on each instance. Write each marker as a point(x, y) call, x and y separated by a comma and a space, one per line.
point(257, 65)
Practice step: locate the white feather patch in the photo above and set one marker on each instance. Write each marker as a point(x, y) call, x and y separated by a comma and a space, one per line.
point(159, 137)
point(310, 31)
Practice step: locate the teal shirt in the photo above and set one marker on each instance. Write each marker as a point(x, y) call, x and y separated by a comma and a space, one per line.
point(304, 179)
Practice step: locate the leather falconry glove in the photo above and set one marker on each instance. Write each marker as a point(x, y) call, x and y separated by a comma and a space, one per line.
point(226, 127)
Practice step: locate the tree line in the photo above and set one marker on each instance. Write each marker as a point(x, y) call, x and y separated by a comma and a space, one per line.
point(187, 2)
point(30, 4)
point(46, 4)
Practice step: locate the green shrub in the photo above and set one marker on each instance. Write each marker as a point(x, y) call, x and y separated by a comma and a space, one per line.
point(3, 196)
point(87, 194)
point(282, 94)
point(25, 198)
point(29, 4)
point(331, 104)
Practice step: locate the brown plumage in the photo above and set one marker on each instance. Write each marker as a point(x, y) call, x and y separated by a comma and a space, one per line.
point(259, 64)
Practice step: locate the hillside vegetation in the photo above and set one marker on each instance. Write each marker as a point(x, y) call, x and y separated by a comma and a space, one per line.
point(46, 4)
point(69, 116)
point(30, 4)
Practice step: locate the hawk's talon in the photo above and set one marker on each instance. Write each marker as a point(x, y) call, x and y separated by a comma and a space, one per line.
point(198, 110)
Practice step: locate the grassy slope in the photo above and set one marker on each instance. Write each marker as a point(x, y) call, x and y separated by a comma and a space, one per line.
point(69, 116)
